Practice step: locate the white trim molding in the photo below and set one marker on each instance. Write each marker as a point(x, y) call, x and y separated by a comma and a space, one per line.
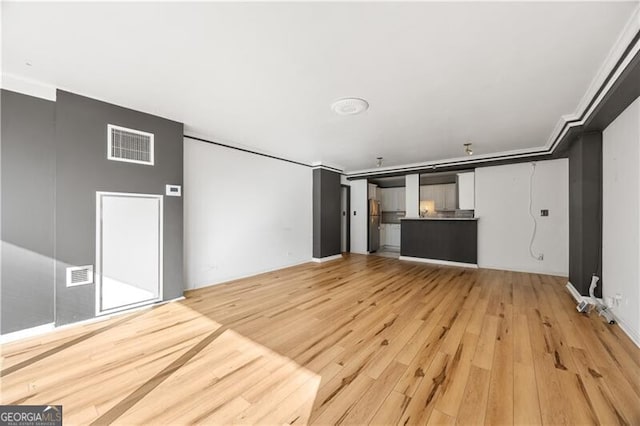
point(27, 333)
point(98, 269)
point(28, 87)
point(576, 295)
point(326, 259)
point(635, 338)
point(439, 262)
point(49, 328)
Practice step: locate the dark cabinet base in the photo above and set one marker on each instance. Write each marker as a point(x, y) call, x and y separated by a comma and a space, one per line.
point(447, 240)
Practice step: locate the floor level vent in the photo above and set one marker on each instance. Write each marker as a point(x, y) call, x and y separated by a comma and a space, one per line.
point(79, 275)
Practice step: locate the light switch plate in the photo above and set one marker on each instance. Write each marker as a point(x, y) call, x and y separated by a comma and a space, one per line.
point(174, 191)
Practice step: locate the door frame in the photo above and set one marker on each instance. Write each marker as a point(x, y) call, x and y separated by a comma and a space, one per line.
point(98, 269)
point(347, 221)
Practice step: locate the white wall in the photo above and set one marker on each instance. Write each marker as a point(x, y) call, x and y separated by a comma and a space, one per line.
point(504, 225)
point(243, 214)
point(359, 222)
point(620, 217)
point(412, 195)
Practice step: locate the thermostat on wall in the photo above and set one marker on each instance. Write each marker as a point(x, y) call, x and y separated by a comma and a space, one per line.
point(174, 190)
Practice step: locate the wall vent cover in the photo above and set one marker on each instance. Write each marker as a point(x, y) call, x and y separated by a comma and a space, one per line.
point(131, 146)
point(79, 275)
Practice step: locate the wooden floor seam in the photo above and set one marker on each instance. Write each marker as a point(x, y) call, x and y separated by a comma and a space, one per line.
point(362, 340)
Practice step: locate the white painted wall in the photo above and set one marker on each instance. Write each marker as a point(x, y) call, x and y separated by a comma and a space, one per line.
point(504, 225)
point(621, 217)
point(243, 214)
point(359, 219)
point(412, 195)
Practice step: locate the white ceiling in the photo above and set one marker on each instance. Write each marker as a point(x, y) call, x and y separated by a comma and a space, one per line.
point(263, 75)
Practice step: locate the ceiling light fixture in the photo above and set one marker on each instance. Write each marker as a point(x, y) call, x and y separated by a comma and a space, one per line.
point(468, 149)
point(349, 106)
point(379, 161)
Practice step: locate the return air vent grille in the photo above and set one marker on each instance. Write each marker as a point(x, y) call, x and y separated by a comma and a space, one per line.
point(79, 275)
point(132, 146)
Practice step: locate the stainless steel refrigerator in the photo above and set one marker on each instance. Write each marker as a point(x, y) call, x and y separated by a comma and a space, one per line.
point(375, 218)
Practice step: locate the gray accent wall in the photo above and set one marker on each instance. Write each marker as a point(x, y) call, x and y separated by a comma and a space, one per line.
point(585, 211)
point(82, 169)
point(27, 153)
point(326, 213)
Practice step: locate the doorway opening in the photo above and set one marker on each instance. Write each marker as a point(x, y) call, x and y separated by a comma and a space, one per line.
point(128, 251)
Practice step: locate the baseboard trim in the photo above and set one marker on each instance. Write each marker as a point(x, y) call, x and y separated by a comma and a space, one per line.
point(576, 295)
point(439, 262)
point(326, 259)
point(51, 327)
point(27, 332)
point(241, 277)
point(635, 338)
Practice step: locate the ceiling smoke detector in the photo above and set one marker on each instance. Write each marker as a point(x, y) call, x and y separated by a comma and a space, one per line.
point(379, 161)
point(468, 149)
point(349, 106)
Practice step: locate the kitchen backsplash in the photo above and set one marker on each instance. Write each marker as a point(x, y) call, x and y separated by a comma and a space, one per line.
point(392, 217)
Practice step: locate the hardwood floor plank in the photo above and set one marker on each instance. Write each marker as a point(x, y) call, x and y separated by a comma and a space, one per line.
point(365, 339)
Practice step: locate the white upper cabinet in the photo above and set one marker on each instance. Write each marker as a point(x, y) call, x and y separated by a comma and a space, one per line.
point(443, 195)
point(392, 199)
point(466, 191)
point(373, 191)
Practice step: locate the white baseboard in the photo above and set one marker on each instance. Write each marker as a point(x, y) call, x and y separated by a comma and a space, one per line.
point(48, 328)
point(28, 332)
point(326, 259)
point(439, 262)
point(241, 277)
point(633, 335)
point(576, 295)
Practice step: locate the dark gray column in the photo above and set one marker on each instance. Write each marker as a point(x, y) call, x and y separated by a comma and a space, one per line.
point(28, 164)
point(82, 168)
point(585, 211)
point(326, 213)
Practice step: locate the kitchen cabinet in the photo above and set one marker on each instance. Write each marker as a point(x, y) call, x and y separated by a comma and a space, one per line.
point(394, 235)
point(466, 191)
point(383, 234)
point(443, 196)
point(390, 235)
point(373, 191)
point(392, 199)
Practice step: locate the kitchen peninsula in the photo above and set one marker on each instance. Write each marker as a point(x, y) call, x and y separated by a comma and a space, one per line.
point(449, 241)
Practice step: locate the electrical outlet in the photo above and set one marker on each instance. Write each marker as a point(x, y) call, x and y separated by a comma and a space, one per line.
point(618, 299)
point(541, 256)
point(544, 212)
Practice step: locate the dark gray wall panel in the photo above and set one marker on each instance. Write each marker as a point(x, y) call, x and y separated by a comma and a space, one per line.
point(28, 162)
point(326, 213)
point(82, 169)
point(585, 211)
point(450, 240)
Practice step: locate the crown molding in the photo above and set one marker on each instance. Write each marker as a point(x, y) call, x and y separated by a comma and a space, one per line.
point(330, 167)
point(623, 52)
point(28, 87)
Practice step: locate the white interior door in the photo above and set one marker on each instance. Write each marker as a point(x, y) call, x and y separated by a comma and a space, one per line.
point(128, 251)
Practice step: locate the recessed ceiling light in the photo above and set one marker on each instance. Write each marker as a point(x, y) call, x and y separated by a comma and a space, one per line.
point(379, 161)
point(349, 106)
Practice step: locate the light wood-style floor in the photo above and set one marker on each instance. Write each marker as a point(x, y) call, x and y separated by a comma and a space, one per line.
point(362, 340)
